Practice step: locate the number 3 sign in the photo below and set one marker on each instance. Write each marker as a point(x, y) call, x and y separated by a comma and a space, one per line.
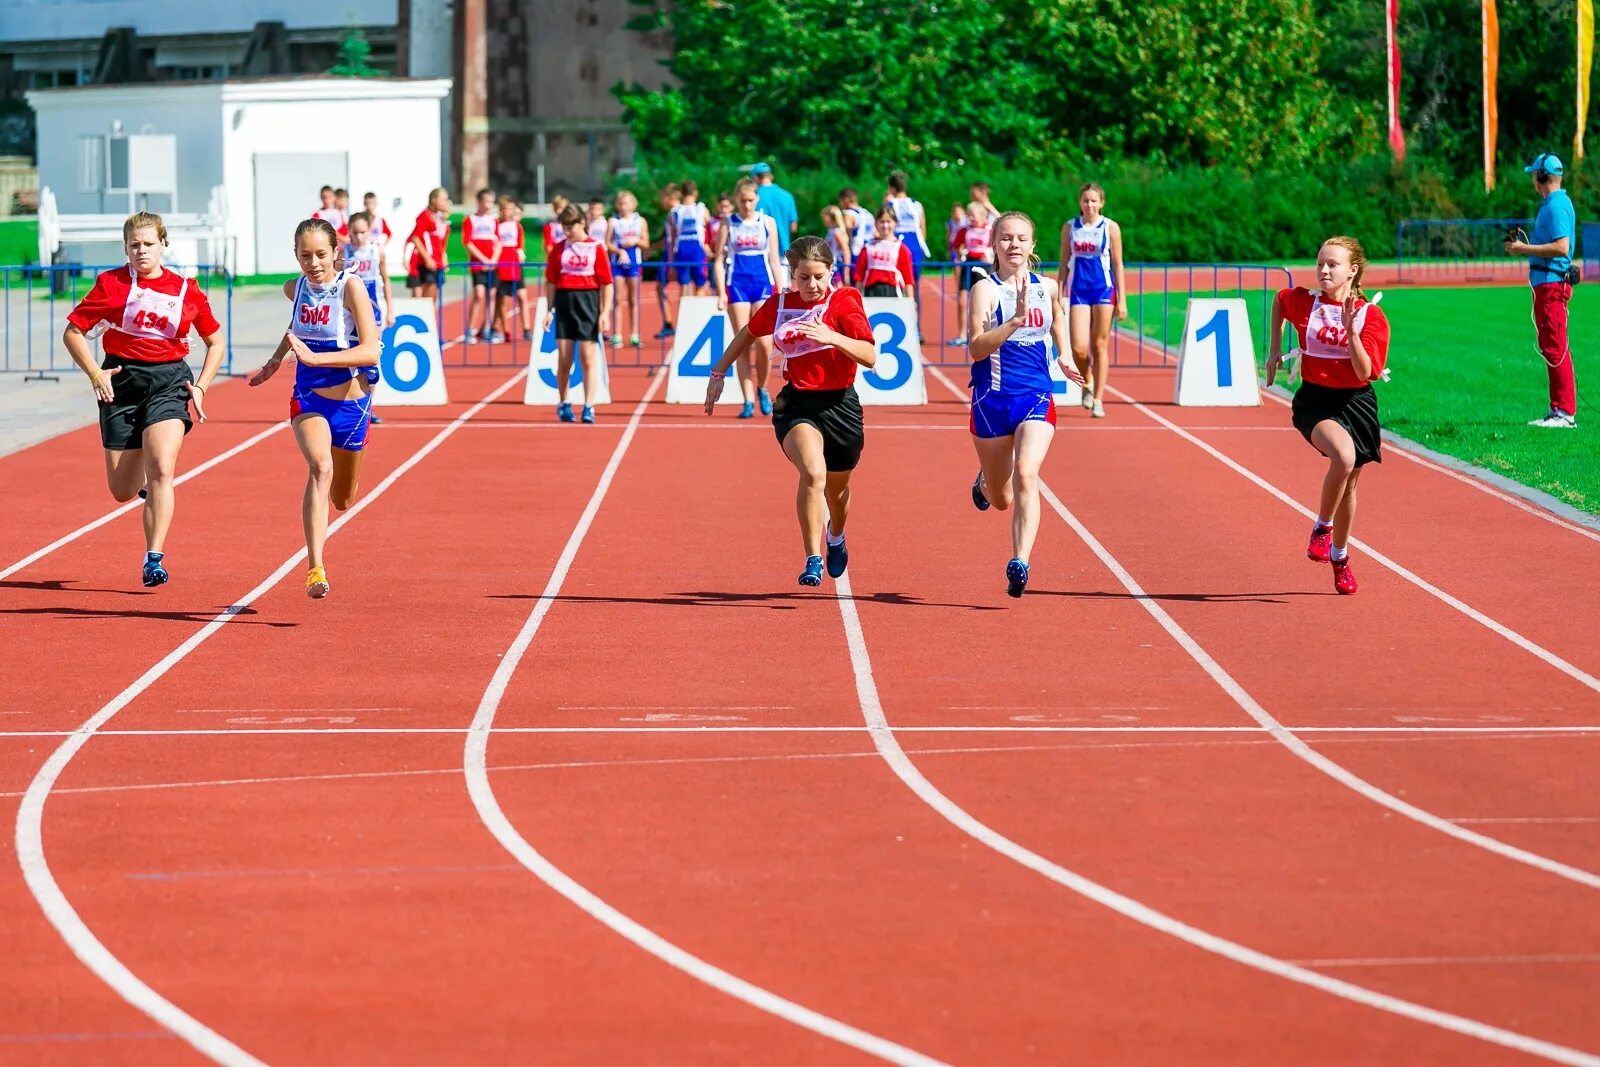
point(898, 377)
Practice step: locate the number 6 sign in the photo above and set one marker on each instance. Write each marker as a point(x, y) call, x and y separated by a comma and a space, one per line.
point(410, 369)
point(898, 377)
point(1217, 361)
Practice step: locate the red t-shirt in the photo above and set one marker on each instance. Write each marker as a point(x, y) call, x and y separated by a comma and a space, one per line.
point(827, 367)
point(580, 265)
point(886, 262)
point(434, 231)
point(555, 235)
point(971, 243)
point(511, 249)
point(480, 231)
point(140, 333)
point(1318, 365)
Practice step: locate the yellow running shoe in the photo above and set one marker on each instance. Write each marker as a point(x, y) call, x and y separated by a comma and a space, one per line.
point(316, 583)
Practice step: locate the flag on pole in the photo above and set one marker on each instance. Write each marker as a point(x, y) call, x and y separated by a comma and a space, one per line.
point(1491, 103)
point(1397, 137)
point(1585, 61)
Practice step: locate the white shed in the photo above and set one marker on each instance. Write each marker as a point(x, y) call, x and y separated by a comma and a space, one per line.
point(270, 143)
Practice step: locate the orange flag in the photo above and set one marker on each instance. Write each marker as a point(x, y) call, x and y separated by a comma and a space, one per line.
point(1491, 104)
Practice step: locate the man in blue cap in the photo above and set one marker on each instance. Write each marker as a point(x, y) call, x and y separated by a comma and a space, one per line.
point(1549, 251)
point(776, 201)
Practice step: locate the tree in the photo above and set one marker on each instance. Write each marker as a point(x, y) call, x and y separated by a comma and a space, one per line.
point(354, 52)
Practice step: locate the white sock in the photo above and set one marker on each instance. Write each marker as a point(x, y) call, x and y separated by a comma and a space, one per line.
point(832, 539)
point(1323, 524)
point(1338, 554)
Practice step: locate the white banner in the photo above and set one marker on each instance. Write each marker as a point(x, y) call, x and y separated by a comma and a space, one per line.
point(701, 336)
point(1217, 361)
point(540, 385)
point(898, 378)
point(412, 372)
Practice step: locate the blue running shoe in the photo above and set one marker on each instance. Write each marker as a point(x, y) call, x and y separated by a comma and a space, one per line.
point(1016, 577)
point(144, 494)
point(564, 412)
point(765, 399)
point(979, 501)
point(588, 414)
point(748, 411)
point(154, 573)
point(812, 575)
point(374, 420)
point(838, 559)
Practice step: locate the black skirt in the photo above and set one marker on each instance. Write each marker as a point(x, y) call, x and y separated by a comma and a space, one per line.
point(577, 314)
point(1354, 409)
point(880, 289)
point(836, 414)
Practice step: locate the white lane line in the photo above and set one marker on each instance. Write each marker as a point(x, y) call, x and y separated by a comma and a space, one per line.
point(1283, 735)
point(1535, 820)
point(30, 813)
point(135, 504)
point(1353, 732)
point(1447, 961)
point(1467, 479)
point(475, 767)
point(1576, 673)
point(888, 745)
point(745, 427)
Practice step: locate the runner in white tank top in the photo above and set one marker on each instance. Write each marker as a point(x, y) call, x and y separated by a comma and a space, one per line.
point(1092, 302)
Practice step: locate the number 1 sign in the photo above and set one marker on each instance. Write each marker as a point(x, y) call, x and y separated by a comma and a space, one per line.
point(1217, 362)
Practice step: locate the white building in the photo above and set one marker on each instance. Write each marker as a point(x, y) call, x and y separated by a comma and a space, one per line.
point(270, 143)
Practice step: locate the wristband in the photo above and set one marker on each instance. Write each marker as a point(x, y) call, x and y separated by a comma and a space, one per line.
point(718, 375)
point(98, 374)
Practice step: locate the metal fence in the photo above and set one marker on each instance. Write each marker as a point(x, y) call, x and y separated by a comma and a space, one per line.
point(1451, 251)
point(1158, 297)
point(39, 298)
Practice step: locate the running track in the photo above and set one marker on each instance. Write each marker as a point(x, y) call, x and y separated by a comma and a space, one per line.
point(568, 768)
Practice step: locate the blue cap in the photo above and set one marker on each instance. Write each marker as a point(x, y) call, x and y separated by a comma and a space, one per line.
point(765, 168)
point(1547, 162)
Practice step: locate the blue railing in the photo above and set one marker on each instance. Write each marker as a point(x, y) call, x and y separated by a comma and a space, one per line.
point(1445, 251)
point(37, 300)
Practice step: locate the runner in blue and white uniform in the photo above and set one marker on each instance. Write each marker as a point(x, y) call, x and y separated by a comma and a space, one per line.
point(1091, 276)
point(627, 239)
point(752, 238)
point(688, 222)
point(334, 337)
point(857, 219)
point(1014, 313)
point(911, 226)
point(364, 257)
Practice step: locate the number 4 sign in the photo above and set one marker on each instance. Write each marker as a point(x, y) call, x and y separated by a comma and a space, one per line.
point(1217, 362)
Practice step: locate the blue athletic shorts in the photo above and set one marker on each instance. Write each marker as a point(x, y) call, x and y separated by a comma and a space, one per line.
point(1090, 291)
point(748, 290)
point(692, 267)
point(347, 419)
point(913, 246)
point(627, 264)
point(999, 414)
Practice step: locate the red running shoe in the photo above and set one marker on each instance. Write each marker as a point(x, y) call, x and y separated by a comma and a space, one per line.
point(1321, 543)
point(1344, 579)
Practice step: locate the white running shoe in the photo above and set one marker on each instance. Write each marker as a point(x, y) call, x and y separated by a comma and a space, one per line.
point(1556, 420)
point(1098, 410)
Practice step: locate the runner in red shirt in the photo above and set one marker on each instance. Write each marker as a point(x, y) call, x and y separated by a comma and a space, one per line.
point(971, 247)
point(1344, 345)
point(145, 387)
point(510, 282)
point(428, 261)
point(884, 266)
point(329, 211)
point(578, 293)
point(821, 335)
point(481, 230)
point(554, 233)
point(382, 234)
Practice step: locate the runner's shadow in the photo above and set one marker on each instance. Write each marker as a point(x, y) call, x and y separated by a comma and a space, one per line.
point(1180, 598)
point(725, 598)
point(163, 616)
point(64, 585)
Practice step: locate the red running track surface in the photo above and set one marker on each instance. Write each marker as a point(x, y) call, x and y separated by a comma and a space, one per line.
point(276, 834)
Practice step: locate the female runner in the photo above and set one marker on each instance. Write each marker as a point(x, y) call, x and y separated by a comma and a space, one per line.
point(1091, 276)
point(753, 238)
point(628, 239)
point(838, 243)
point(145, 387)
point(333, 335)
point(577, 291)
point(822, 335)
point(884, 266)
point(1012, 312)
point(970, 249)
point(1344, 344)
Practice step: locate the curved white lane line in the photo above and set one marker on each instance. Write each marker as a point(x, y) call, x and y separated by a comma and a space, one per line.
point(30, 814)
point(475, 766)
point(123, 509)
point(888, 745)
point(1287, 737)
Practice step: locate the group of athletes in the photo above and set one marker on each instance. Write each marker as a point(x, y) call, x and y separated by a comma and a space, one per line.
point(806, 307)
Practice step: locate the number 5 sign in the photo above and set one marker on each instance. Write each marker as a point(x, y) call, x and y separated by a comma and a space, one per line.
point(409, 366)
point(1217, 361)
point(898, 377)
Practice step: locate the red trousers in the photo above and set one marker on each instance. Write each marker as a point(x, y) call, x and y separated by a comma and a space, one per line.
point(1550, 320)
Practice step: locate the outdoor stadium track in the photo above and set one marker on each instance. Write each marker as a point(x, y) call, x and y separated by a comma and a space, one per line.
point(568, 768)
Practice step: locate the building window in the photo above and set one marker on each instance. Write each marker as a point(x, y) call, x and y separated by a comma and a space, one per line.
point(91, 163)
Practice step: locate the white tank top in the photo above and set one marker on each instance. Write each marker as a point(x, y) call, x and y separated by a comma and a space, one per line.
point(748, 237)
point(624, 228)
point(319, 317)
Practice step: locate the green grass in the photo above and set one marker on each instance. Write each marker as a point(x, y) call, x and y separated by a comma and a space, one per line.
point(1466, 379)
point(19, 242)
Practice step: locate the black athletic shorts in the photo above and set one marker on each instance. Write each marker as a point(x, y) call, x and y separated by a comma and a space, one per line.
point(577, 314)
point(508, 286)
point(969, 272)
point(1354, 409)
point(421, 276)
point(143, 394)
point(836, 414)
point(880, 289)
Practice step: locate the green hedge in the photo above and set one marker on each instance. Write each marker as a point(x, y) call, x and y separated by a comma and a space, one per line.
point(1172, 214)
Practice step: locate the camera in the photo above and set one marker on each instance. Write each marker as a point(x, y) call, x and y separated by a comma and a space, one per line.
point(1574, 275)
point(1515, 233)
